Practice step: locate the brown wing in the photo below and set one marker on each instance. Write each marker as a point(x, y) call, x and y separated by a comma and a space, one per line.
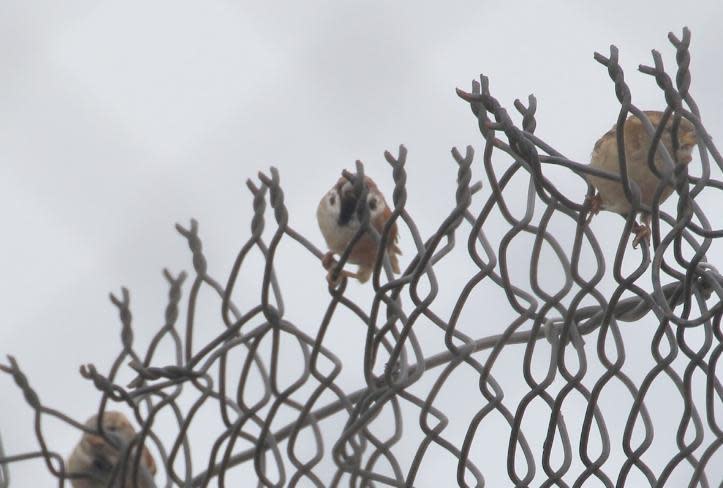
point(149, 461)
point(379, 223)
point(605, 137)
point(392, 249)
point(655, 116)
point(632, 127)
point(636, 138)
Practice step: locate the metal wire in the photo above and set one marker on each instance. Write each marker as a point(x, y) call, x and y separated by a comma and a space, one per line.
point(675, 285)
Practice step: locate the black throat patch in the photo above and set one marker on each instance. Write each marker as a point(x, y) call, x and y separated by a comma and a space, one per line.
point(348, 207)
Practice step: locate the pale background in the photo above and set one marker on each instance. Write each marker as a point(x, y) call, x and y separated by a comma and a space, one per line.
point(119, 119)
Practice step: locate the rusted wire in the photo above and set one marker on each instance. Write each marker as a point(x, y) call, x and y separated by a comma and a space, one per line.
point(673, 283)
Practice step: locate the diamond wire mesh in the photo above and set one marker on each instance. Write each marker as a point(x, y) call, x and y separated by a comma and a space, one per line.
point(672, 282)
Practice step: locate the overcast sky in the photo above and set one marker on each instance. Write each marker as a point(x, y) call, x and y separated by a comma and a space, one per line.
point(120, 119)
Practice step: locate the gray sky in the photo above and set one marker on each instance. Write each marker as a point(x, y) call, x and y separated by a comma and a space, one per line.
point(121, 118)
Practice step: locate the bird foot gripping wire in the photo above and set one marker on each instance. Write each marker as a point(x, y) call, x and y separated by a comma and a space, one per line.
point(595, 204)
point(642, 233)
point(328, 262)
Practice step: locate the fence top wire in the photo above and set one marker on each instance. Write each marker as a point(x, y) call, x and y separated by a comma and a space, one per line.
point(671, 280)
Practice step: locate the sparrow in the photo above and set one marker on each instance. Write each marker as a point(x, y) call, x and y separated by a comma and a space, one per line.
point(610, 193)
point(339, 222)
point(95, 459)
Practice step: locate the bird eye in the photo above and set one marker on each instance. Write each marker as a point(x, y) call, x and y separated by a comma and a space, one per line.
point(373, 204)
point(332, 200)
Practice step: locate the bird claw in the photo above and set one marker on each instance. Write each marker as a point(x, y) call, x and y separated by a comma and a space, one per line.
point(333, 283)
point(342, 274)
point(642, 232)
point(595, 203)
point(328, 260)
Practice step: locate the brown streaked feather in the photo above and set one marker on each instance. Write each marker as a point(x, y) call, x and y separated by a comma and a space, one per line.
point(382, 219)
point(604, 138)
point(637, 145)
point(392, 249)
point(365, 250)
point(149, 461)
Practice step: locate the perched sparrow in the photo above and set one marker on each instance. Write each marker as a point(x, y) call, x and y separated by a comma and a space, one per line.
point(611, 194)
point(339, 222)
point(95, 458)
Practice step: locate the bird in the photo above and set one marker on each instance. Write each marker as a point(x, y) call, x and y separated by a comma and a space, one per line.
point(610, 194)
point(339, 222)
point(94, 459)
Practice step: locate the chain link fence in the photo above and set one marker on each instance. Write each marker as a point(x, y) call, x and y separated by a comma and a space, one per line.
point(274, 385)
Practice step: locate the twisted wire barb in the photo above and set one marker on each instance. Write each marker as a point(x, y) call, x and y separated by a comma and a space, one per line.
point(283, 422)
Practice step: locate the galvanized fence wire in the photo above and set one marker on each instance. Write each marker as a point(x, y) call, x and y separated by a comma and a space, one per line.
point(685, 295)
